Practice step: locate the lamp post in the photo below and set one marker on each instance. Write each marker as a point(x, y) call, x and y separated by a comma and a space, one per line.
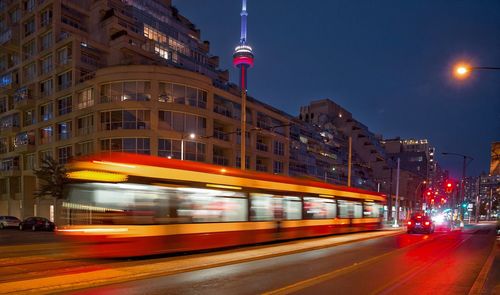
point(191, 136)
point(463, 70)
point(416, 196)
point(462, 181)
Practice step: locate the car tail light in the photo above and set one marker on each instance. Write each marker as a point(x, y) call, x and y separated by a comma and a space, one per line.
point(409, 222)
point(427, 223)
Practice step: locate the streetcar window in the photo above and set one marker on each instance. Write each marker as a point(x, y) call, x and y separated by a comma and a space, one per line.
point(109, 203)
point(262, 207)
point(350, 209)
point(292, 208)
point(207, 205)
point(372, 209)
point(318, 208)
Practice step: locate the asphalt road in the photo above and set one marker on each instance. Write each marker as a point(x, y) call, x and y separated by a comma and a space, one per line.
point(442, 263)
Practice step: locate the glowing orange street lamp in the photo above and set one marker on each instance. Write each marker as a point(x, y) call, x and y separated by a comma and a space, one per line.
point(462, 70)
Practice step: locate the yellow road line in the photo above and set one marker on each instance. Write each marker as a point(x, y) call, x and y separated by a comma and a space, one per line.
point(330, 275)
point(478, 285)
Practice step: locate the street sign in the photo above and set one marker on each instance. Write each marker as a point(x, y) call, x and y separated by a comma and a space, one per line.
point(470, 209)
point(470, 206)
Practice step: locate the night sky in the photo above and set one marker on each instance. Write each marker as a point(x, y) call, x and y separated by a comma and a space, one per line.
point(387, 62)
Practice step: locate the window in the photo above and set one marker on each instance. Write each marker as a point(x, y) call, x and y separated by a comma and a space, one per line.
point(46, 112)
point(182, 122)
point(46, 135)
point(4, 145)
point(203, 205)
point(15, 16)
point(64, 130)
point(85, 148)
point(85, 125)
point(29, 27)
point(128, 145)
point(277, 167)
point(183, 95)
point(46, 41)
point(64, 105)
point(46, 87)
point(350, 209)
point(372, 209)
point(29, 117)
point(125, 119)
point(171, 148)
point(47, 64)
point(29, 49)
point(29, 72)
point(161, 51)
point(29, 5)
point(29, 162)
point(3, 105)
point(126, 91)
point(46, 17)
point(279, 148)
point(271, 207)
point(63, 56)
point(318, 208)
point(64, 154)
point(64, 80)
point(47, 154)
point(85, 98)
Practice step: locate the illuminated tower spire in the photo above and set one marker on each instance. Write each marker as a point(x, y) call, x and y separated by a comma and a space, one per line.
point(243, 60)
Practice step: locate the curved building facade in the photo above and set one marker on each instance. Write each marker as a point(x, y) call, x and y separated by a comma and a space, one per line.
point(90, 76)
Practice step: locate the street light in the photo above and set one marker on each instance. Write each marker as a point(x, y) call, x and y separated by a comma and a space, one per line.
point(463, 70)
point(191, 136)
point(418, 186)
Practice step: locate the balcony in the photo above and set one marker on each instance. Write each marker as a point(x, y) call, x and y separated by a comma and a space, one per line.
point(25, 148)
point(23, 99)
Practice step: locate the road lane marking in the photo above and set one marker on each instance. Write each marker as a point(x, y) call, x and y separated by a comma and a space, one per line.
point(330, 275)
point(478, 285)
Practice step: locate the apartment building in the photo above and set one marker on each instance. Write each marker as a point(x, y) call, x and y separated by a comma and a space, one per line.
point(88, 76)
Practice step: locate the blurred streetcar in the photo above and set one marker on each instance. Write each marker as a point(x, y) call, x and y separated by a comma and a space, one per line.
point(130, 205)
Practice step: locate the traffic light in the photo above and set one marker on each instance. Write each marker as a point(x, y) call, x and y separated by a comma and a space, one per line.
point(464, 205)
point(448, 186)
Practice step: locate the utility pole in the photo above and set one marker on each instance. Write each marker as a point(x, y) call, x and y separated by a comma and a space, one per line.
point(396, 221)
point(349, 164)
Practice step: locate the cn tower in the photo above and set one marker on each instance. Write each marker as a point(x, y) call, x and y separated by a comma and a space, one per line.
point(243, 60)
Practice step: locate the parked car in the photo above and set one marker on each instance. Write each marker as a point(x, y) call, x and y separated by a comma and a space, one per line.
point(37, 223)
point(9, 221)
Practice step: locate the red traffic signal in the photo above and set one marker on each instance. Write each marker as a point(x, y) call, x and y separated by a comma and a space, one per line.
point(448, 186)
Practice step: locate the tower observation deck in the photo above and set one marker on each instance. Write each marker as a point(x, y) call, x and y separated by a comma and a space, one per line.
point(243, 55)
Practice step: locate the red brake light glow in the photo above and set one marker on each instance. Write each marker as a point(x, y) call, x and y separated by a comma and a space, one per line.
point(409, 222)
point(419, 217)
point(427, 223)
